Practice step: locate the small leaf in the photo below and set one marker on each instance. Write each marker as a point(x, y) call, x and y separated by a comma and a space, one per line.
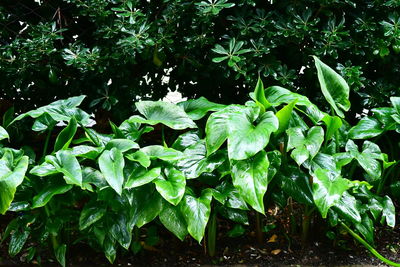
point(66, 135)
point(172, 188)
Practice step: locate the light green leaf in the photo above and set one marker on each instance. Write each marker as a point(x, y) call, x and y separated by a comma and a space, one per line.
point(196, 212)
point(198, 108)
point(66, 163)
point(47, 193)
point(366, 128)
point(141, 176)
point(245, 139)
point(334, 87)
point(305, 146)
point(195, 162)
point(123, 145)
point(163, 153)
point(172, 186)
point(389, 212)
point(284, 115)
point(111, 164)
point(333, 123)
point(166, 113)
point(139, 156)
point(10, 178)
point(327, 190)
point(3, 134)
point(259, 95)
point(250, 177)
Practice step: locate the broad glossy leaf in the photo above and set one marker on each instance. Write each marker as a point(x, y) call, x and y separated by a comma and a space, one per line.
point(171, 186)
point(198, 108)
point(295, 183)
point(141, 176)
point(131, 130)
point(10, 178)
point(366, 128)
point(43, 169)
point(366, 228)
point(196, 212)
point(305, 146)
point(186, 140)
point(236, 215)
point(109, 248)
point(245, 139)
point(60, 252)
point(88, 152)
point(123, 145)
point(396, 103)
point(18, 240)
point(277, 95)
point(368, 158)
point(166, 113)
point(111, 164)
point(348, 208)
point(333, 123)
point(91, 213)
point(388, 212)
point(3, 134)
point(195, 160)
point(96, 138)
point(327, 190)
point(148, 202)
point(47, 193)
point(334, 87)
point(229, 196)
point(65, 137)
point(250, 177)
point(120, 230)
point(140, 157)
point(172, 218)
point(284, 115)
point(163, 153)
point(66, 163)
point(217, 126)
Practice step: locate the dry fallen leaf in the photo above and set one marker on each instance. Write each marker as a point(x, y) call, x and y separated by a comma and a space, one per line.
point(276, 251)
point(273, 239)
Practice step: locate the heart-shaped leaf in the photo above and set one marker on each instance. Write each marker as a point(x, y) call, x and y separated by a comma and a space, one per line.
point(111, 163)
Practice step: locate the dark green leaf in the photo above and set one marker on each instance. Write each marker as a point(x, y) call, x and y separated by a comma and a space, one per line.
point(111, 164)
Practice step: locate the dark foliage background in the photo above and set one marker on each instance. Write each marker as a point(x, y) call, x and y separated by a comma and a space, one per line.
point(115, 51)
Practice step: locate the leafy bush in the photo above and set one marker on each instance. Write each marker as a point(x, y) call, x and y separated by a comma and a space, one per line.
point(116, 51)
point(203, 161)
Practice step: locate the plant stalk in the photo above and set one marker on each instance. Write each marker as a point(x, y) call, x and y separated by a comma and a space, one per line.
point(46, 143)
point(369, 247)
point(259, 232)
point(212, 235)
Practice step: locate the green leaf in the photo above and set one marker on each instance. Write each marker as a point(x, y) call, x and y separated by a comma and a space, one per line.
point(66, 163)
point(166, 113)
point(195, 160)
point(111, 163)
point(245, 139)
point(47, 193)
point(120, 230)
point(333, 123)
point(172, 186)
point(366, 228)
point(3, 134)
point(66, 135)
point(277, 95)
point(348, 208)
point(327, 190)
point(186, 140)
point(18, 240)
point(259, 95)
point(88, 152)
point(44, 169)
point(305, 146)
point(368, 158)
point(60, 252)
point(295, 183)
point(217, 127)
point(141, 176)
point(10, 178)
point(229, 196)
point(172, 218)
point(149, 204)
point(122, 145)
point(284, 115)
point(334, 87)
point(140, 157)
point(163, 153)
point(388, 212)
point(396, 103)
point(250, 177)
point(198, 108)
point(90, 214)
point(196, 212)
point(366, 128)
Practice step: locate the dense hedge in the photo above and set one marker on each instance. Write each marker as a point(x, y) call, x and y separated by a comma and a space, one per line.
point(114, 51)
point(203, 161)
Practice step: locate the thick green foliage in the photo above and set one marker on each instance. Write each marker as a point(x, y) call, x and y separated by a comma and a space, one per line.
point(221, 161)
point(115, 51)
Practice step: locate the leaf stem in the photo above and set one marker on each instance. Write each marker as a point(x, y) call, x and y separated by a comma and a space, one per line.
point(46, 143)
point(369, 247)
